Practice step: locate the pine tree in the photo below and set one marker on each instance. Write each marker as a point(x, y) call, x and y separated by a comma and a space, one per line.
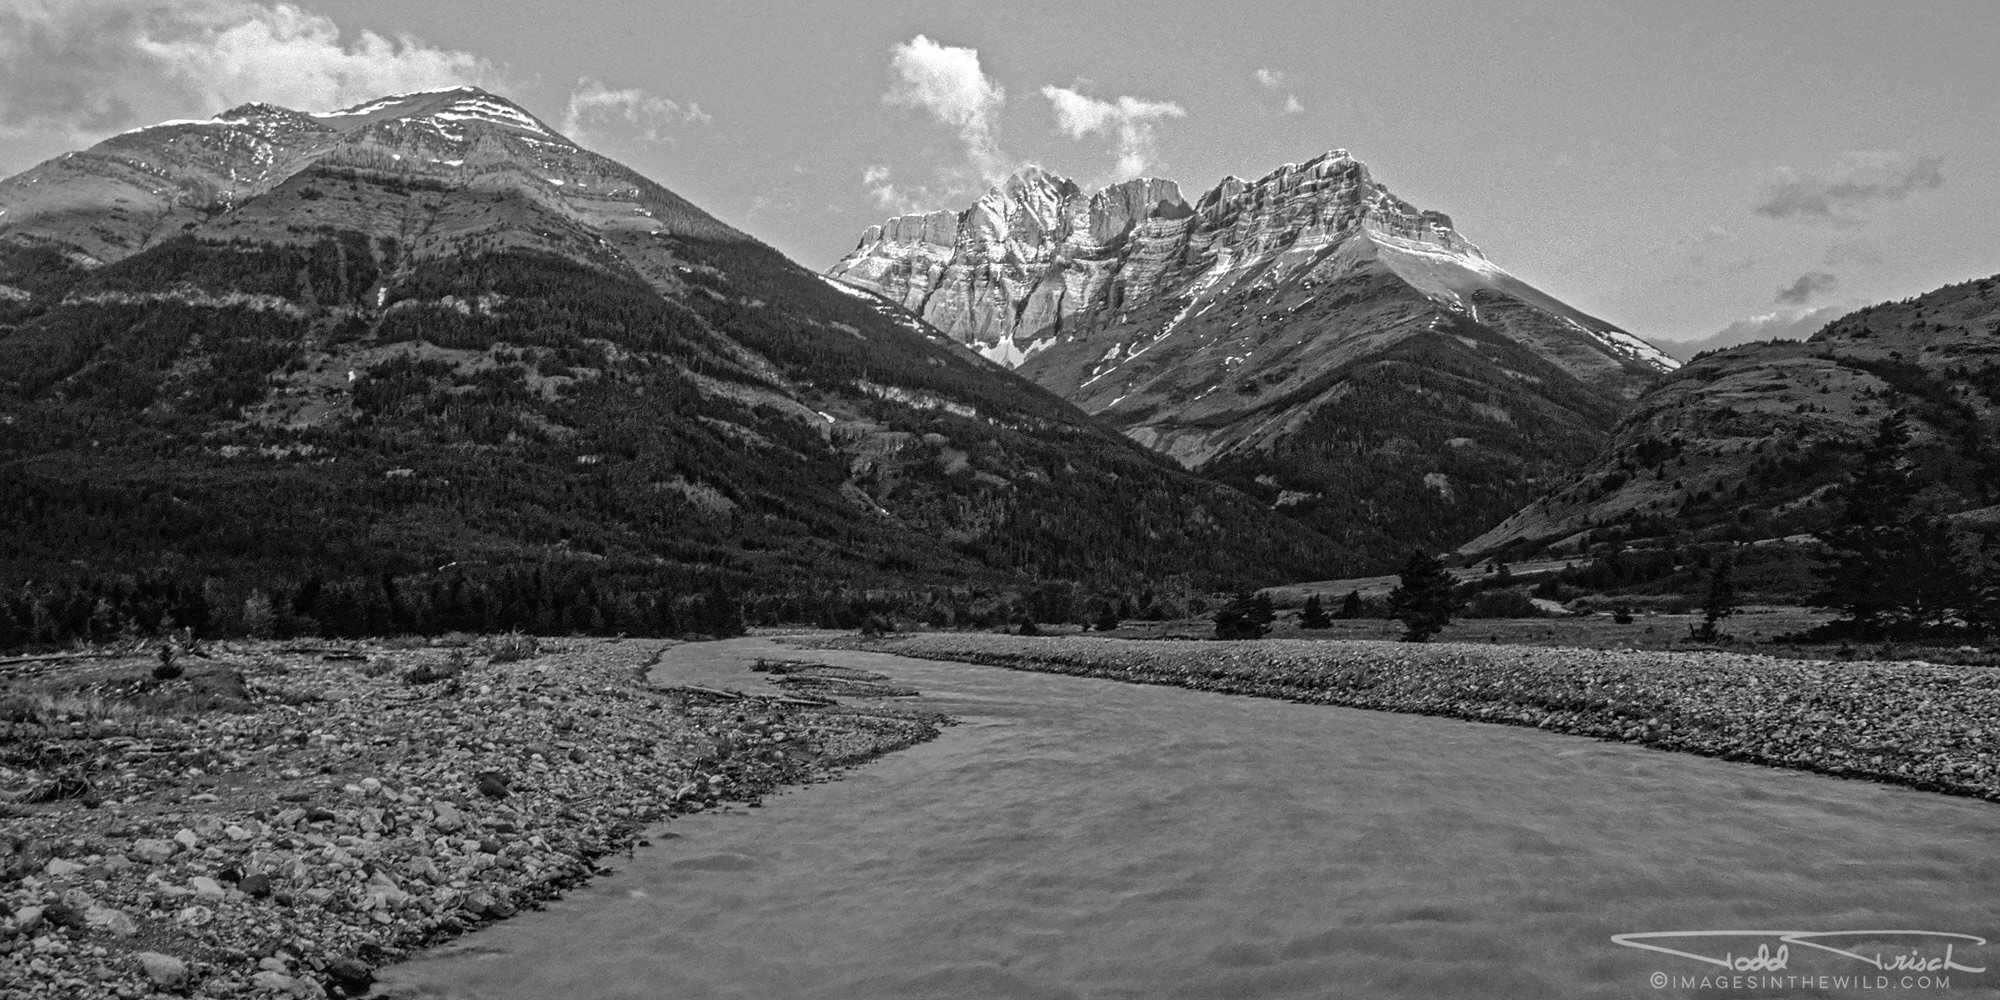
point(1313, 615)
point(1717, 602)
point(720, 614)
point(1237, 619)
point(1427, 598)
point(1108, 618)
point(1261, 611)
point(1891, 567)
point(1350, 606)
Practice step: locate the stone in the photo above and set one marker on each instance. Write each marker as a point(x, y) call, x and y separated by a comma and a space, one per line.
point(352, 975)
point(445, 817)
point(275, 982)
point(187, 839)
point(257, 885)
point(206, 888)
point(166, 971)
point(110, 920)
point(59, 867)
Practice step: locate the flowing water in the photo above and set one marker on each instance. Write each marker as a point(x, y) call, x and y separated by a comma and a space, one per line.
point(1077, 838)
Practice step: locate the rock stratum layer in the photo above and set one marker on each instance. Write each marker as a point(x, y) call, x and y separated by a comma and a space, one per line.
point(1307, 336)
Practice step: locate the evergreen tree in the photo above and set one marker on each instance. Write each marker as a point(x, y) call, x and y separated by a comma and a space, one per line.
point(1426, 599)
point(1238, 619)
point(1261, 610)
point(1350, 606)
point(721, 614)
point(1891, 567)
point(1717, 602)
point(1108, 618)
point(1313, 615)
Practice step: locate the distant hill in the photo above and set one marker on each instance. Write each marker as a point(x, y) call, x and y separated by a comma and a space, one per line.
point(428, 342)
point(1307, 337)
point(1747, 443)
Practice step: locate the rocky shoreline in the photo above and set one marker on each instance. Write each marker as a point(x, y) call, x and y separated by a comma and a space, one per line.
point(1922, 725)
point(280, 821)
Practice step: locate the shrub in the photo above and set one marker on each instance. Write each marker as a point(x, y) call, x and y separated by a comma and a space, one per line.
point(431, 673)
point(1503, 604)
point(168, 668)
point(510, 647)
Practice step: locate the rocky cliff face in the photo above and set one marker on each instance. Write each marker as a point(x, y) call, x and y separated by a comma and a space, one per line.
point(1307, 333)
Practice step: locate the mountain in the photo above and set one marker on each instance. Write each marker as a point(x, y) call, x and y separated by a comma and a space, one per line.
point(276, 347)
point(1307, 337)
point(1745, 444)
point(1782, 324)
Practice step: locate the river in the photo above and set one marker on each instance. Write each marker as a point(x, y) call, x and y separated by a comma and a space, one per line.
point(1078, 838)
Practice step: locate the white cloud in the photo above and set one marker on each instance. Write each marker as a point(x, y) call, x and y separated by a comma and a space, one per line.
point(1807, 287)
point(1861, 177)
point(1782, 324)
point(946, 81)
point(594, 106)
point(1271, 79)
point(85, 67)
point(890, 198)
point(1128, 121)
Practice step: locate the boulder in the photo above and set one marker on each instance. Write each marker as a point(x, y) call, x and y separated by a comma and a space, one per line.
point(166, 971)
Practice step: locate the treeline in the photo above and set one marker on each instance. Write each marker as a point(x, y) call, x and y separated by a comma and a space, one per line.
point(537, 600)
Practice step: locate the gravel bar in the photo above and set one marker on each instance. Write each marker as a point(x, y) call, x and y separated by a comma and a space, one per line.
point(1931, 727)
point(280, 822)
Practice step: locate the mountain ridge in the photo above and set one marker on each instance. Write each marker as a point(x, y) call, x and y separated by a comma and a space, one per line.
point(1246, 333)
point(1749, 442)
point(441, 334)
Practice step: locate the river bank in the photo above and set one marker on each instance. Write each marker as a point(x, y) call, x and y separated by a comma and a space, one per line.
point(281, 819)
point(1922, 725)
point(1072, 837)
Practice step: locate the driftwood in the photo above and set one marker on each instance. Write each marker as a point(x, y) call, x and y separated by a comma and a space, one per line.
point(59, 657)
point(795, 702)
point(326, 652)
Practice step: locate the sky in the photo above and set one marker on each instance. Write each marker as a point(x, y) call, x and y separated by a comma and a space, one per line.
point(1690, 170)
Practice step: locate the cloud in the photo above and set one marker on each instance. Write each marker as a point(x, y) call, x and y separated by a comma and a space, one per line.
point(946, 81)
point(1128, 121)
point(85, 67)
point(1806, 288)
point(890, 198)
point(594, 106)
point(1860, 178)
point(1271, 79)
point(1784, 324)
